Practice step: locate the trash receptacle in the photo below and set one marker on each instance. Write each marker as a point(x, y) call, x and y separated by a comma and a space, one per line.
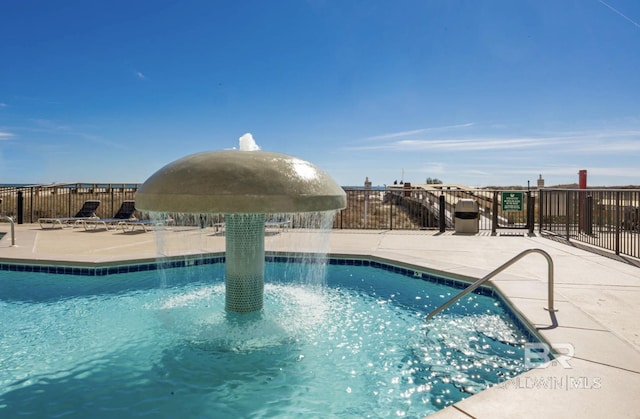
point(467, 218)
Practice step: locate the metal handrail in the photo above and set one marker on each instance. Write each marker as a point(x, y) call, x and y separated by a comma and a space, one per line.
point(496, 272)
point(13, 235)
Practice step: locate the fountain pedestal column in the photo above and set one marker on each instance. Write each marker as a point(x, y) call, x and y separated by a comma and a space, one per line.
point(244, 265)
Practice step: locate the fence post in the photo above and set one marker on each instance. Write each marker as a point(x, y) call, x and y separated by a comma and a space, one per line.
point(568, 214)
point(530, 210)
point(441, 214)
point(540, 209)
point(69, 202)
point(494, 214)
point(20, 207)
point(31, 207)
point(617, 245)
point(588, 215)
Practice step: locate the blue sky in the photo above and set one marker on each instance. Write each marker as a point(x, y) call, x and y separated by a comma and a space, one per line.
point(478, 92)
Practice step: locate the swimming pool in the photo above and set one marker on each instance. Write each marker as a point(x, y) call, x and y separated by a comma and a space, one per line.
point(158, 343)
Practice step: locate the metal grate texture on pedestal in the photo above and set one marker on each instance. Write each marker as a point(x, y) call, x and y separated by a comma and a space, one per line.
point(244, 266)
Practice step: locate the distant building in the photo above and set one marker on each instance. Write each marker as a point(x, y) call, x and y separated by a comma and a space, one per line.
point(540, 182)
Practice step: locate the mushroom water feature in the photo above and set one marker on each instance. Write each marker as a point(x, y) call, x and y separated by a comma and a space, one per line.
point(244, 185)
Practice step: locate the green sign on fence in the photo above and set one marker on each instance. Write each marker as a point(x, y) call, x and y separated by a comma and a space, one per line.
point(512, 201)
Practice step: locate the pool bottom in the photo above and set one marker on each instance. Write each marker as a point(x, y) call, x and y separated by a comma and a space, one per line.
point(358, 347)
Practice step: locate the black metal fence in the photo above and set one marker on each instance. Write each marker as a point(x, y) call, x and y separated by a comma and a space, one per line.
point(26, 204)
point(391, 208)
point(413, 208)
point(604, 218)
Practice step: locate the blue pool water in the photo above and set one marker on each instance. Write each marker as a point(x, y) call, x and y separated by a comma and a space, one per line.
point(159, 344)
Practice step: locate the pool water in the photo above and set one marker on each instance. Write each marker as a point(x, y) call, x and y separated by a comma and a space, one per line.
point(159, 344)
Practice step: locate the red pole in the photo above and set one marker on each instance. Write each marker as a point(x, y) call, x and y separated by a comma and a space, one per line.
point(582, 179)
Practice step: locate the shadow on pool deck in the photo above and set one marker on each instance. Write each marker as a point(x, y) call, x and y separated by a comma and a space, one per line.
point(597, 325)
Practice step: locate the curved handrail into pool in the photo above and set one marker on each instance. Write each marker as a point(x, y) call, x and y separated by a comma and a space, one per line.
point(496, 272)
point(13, 235)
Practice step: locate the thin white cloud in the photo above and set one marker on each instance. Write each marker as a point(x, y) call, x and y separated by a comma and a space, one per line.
point(617, 146)
point(140, 75)
point(568, 170)
point(604, 141)
point(3, 105)
point(418, 131)
point(584, 142)
point(459, 144)
point(49, 125)
point(451, 127)
point(433, 168)
point(6, 135)
point(615, 171)
point(618, 12)
point(60, 131)
point(396, 134)
point(596, 134)
point(469, 144)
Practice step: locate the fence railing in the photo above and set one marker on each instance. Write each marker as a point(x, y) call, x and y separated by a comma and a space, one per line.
point(390, 208)
point(605, 218)
point(412, 208)
point(26, 204)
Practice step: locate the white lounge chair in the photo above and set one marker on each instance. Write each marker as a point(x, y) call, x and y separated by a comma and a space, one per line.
point(87, 212)
point(124, 214)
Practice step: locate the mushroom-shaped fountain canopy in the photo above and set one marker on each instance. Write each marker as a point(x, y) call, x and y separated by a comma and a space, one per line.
point(238, 181)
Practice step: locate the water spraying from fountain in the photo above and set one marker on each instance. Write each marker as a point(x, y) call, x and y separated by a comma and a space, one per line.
point(247, 143)
point(244, 185)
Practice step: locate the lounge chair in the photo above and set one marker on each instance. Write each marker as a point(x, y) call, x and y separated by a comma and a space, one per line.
point(131, 225)
point(124, 214)
point(278, 225)
point(88, 211)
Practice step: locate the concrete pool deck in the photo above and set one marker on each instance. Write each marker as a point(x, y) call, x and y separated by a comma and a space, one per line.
point(597, 297)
